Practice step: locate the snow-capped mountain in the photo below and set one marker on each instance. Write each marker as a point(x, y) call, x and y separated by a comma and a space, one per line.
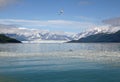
point(39, 36)
point(104, 29)
point(24, 34)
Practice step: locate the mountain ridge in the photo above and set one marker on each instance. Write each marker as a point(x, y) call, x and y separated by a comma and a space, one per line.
point(100, 37)
point(36, 35)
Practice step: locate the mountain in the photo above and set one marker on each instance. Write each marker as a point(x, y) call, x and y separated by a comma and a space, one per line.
point(25, 34)
point(100, 37)
point(5, 39)
point(104, 29)
point(37, 35)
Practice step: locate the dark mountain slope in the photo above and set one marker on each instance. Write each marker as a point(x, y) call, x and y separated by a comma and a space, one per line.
point(101, 37)
point(5, 39)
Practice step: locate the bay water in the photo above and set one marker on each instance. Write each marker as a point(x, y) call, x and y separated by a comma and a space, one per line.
point(62, 62)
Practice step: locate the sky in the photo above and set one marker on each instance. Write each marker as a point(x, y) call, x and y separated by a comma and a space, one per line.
point(77, 16)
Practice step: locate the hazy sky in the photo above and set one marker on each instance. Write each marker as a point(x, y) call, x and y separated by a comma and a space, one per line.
point(78, 15)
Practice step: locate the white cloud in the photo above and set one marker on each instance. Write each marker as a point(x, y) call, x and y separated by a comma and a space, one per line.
point(9, 26)
point(49, 23)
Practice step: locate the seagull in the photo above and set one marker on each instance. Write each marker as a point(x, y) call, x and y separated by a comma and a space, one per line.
point(61, 12)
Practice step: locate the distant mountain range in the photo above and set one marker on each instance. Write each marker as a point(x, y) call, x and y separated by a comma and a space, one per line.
point(5, 39)
point(93, 31)
point(24, 34)
point(100, 37)
point(37, 35)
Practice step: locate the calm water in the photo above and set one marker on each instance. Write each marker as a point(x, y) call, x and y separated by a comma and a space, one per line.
point(89, 62)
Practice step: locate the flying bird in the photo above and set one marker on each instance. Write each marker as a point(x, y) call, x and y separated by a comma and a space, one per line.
point(61, 12)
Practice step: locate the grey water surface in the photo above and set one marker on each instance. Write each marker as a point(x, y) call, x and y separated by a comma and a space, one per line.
point(64, 62)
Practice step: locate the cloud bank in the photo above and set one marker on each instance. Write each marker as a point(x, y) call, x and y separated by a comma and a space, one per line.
point(55, 24)
point(61, 25)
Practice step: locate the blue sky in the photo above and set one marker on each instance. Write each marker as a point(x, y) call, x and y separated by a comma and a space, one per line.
point(78, 15)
